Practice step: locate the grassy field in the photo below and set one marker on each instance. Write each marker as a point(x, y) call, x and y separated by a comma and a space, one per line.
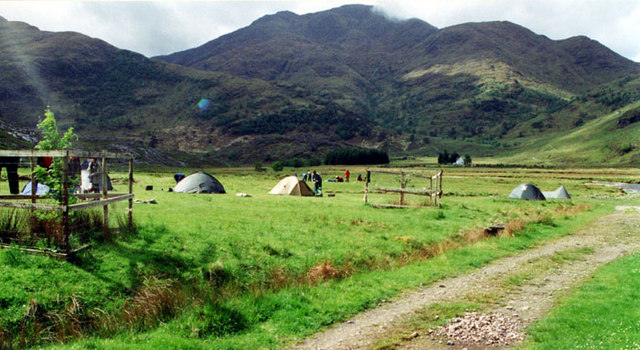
point(598, 315)
point(227, 272)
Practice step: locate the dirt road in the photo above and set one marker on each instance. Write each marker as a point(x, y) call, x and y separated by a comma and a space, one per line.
point(609, 238)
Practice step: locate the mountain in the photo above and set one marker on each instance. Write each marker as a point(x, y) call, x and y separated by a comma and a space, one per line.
point(300, 85)
point(120, 99)
point(466, 81)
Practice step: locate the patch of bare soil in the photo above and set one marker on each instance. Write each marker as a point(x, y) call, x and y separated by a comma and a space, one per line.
point(607, 239)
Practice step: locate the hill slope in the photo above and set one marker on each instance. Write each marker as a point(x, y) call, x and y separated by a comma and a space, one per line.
point(297, 86)
point(120, 99)
point(474, 80)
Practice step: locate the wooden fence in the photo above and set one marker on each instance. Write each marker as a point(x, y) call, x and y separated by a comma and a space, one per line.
point(434, 192)
point(97, 199)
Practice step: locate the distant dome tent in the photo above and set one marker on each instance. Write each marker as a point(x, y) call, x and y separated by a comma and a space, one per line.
point(560, 193)
point(292, 186)
point(199, 182)
point(41, 189)
point(527, 191)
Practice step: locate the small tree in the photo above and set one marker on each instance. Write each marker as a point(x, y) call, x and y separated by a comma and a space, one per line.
point(467, 160)
point(277, 166)
point(258, 167)
point(53, 140)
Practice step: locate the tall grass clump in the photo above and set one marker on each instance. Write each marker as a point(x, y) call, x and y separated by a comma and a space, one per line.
point(12, 225)
point(157, 301)
point(47, 323)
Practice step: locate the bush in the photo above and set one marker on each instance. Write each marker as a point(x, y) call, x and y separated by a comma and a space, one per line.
point(467, 160)
point(217, 320)
point(277, 166)
point(446, 158)
point(294, 163)
point(356, 156)
point(258, 167)
point(315, 161)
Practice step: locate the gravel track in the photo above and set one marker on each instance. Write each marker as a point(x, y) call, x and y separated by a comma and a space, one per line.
point(609, 238)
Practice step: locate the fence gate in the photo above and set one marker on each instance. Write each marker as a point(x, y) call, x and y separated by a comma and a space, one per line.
point(433, 190)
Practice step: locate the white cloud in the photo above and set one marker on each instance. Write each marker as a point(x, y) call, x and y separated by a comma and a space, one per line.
point(162, 27)
point(613, 23)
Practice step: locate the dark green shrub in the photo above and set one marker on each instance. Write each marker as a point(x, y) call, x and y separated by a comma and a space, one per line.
point(218, 320)
point(357, 156)
point(315, 161)
point(277, 166)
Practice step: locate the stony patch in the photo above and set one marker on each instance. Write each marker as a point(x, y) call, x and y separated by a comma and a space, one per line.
point(484, 329)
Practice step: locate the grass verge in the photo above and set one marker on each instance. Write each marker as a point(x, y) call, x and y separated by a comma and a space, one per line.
point(274, 318)
point(600, 314)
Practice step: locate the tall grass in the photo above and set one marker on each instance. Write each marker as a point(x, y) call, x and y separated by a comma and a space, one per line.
point(11, 225)
point(45, 230)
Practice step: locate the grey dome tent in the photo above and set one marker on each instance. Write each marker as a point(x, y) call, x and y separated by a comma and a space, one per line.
point(41, 189)
point(199, 183)
point(560, 193)
point(527, 191)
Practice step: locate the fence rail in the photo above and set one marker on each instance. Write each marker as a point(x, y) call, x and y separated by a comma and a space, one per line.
point(99, 199)
point(434, 192)
point(64, 153)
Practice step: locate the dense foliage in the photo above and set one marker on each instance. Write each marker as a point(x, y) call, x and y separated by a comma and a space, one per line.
point(446, 158)
point(356, 156)
point(52, 176)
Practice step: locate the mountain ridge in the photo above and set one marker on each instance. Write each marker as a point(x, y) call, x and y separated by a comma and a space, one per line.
point(299, 85)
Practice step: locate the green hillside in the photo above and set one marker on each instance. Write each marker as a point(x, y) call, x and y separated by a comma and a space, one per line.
point(300, 86)
point(613, 139)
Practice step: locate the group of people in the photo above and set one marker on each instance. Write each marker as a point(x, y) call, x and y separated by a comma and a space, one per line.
point(313, 177)
point(90, 173)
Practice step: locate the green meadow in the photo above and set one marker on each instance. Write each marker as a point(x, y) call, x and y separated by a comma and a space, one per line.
point(600, 314)
point(204, 271)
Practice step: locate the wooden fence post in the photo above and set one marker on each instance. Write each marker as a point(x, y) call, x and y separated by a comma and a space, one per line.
point(130, 218)
point(401, 188)
point(366, 186)
point(65, 201)
point(105, 219)
point(33, 191)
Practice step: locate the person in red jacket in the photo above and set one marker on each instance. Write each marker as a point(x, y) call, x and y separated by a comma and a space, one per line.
point(346, 175)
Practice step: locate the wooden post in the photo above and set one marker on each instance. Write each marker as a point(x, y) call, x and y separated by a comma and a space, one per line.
point(105, 219)
point(130, 218)
point(33, 191)
point(65, 201)
point(401, 188)
point(440, 191)
point(366, 186)
point(440, 187)
point(431, 190)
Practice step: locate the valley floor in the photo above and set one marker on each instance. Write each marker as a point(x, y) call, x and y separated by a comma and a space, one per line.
point(522, 288)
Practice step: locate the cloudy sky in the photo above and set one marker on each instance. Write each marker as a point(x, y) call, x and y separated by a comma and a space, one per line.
point(162, 27)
